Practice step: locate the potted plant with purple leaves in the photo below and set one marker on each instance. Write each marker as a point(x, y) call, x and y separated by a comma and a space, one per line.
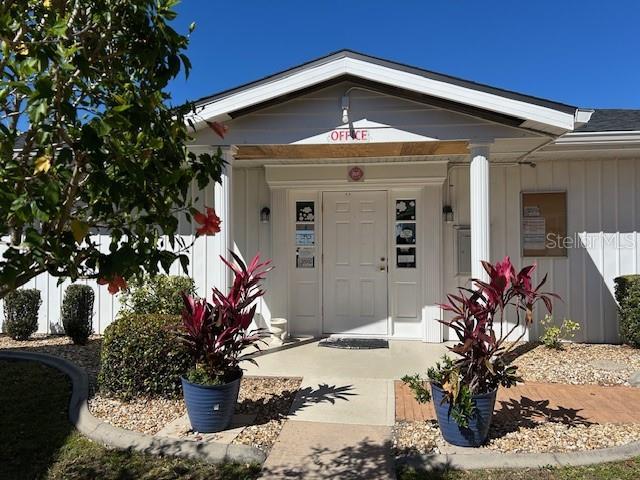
point(489, 320)
point(217, 335)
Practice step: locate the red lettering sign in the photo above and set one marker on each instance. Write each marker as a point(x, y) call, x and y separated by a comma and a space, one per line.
point(355, 135)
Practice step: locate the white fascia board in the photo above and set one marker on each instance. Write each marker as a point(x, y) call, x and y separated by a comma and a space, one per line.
point(554, 119)
point(271, 90)
point(456, 93)
point(592, 138)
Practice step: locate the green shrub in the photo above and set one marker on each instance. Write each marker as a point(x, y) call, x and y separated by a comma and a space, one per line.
point(142, 356)
point(554, 334)
point(77, 312)
point(628, 297)
point(157, 294)
point(21, 313)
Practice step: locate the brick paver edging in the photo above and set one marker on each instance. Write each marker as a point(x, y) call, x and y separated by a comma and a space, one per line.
point(122, 439)
point(543, 401)
point(408, 409)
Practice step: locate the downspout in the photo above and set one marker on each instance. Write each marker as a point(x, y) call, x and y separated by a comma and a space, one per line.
point(522, 159)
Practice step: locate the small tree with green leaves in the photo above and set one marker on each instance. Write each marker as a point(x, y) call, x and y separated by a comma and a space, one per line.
point(77, 313)
point(89, 143)
point(21, 313)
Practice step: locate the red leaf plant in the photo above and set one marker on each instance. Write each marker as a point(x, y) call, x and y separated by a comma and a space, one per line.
point(486, 340)
point(480, 318)
point(217, 334)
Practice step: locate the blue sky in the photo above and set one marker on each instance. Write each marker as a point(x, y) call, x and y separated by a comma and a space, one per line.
point(584, 53)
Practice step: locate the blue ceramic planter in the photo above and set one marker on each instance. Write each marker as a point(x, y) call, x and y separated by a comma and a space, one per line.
point(477, 432)
point(210, 408)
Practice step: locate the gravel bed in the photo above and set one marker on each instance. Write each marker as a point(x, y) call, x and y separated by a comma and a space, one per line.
point(145, 415)
point(579, 363)
point(269, 398)
point(547, 437)
point(85, 356)
point(416, 437)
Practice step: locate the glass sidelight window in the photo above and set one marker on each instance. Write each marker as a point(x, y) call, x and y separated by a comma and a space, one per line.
point(305, 222)
point(405, 233)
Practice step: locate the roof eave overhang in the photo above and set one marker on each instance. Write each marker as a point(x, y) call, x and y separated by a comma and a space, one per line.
point(554, 122)
point(603, 141)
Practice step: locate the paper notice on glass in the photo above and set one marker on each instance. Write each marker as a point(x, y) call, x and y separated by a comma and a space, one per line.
point(531, 212)
point(305, 258)
point(533, 233)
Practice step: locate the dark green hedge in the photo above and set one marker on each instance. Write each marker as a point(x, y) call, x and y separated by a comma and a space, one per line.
point(142, 356)
point(21, 313)
point(628, 297)
point(77, 312)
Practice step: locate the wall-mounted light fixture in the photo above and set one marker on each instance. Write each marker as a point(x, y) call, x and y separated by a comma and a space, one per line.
point(265, 215)
point(447, 213)
point(345, 108)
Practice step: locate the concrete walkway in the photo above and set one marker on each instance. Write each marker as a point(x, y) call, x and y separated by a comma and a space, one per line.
point(352, 401)
point(340, 422)
point(310, 450)
point(308, 359)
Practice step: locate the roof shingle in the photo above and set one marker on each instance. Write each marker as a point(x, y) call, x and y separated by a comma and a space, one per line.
point(612, 120)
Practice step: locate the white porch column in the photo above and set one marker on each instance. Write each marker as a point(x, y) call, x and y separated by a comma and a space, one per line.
point(479, 209)
point(223, 201)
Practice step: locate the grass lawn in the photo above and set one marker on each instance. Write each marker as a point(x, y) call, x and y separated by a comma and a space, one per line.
point(629, 470)
point(38, 442)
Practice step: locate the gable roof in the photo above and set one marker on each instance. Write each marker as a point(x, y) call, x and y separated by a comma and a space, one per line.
point(529, 111)
point(612, 120)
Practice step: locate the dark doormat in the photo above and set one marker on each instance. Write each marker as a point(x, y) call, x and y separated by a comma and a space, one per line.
point(354, 343)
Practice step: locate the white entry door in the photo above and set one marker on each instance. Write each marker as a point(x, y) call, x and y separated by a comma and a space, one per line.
point(355, 263)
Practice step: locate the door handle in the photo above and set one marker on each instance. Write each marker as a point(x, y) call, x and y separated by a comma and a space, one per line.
point(382, 268)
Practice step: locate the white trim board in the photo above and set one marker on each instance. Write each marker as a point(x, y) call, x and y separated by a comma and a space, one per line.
point(540, 117)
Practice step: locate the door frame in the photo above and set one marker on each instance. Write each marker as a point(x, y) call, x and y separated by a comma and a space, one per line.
point(387, 192)
point(421, 180)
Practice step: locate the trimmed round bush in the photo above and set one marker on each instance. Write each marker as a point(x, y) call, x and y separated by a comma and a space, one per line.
point(627, 289)
point(21, 313)
point(77, 313)
point(141, 356)
point(157, 294)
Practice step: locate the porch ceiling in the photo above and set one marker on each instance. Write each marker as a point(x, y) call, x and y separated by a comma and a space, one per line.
point(393, 149)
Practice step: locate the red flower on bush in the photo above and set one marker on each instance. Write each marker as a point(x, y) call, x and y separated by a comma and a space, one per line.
point(115, 283)
point(219, 128)
point(210, 222)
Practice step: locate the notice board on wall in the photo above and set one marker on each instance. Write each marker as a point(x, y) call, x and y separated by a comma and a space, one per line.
point(543, 224)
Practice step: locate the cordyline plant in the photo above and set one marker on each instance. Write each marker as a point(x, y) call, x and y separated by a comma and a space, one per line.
point(217, 333)
point(486, 340)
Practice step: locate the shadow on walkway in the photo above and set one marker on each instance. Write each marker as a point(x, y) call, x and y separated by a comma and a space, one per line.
point(366, 459)
point(325, 393)
point(525, 412)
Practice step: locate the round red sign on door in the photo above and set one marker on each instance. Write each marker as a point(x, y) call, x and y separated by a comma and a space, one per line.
point(356, 174)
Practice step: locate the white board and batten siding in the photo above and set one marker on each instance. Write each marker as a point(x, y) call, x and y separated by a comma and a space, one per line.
point(603, 216)
point(297, 293)
point(603, 222)
point(203, 268)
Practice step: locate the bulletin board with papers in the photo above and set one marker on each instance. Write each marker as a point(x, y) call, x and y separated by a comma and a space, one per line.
point(543, 224)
